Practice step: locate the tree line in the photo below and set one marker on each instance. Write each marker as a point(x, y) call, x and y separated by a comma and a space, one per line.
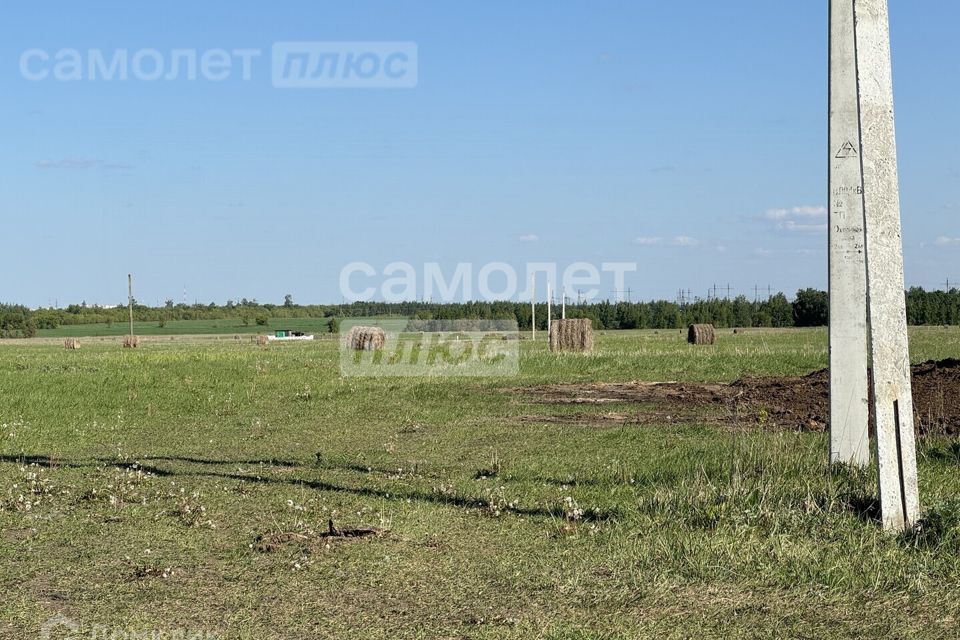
point(16, 321)
point(809, 308)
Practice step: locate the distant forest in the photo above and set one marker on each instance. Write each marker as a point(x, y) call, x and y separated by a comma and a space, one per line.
point(808, 309)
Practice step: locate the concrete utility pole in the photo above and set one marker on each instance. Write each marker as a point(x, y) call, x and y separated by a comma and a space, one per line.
point(886, 312)
point(849, 411)
point(130, 300)
point(563, 307)
point(860, 47)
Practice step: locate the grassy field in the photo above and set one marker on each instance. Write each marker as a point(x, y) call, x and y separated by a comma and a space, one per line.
point(187, 487)
point(186, 327)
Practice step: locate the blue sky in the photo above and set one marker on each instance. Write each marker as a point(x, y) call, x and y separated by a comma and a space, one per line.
point(688, 138)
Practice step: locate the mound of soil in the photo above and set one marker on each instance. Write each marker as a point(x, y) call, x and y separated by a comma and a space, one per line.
point(794, 403)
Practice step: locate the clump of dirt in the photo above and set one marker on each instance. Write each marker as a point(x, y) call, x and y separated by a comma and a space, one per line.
point(785, 403)
point(350, 532)
point(269, 542)
point(936, 396)
point(801, 403)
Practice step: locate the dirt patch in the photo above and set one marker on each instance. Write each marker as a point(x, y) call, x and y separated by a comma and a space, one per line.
point(270, 542)
point(643, 416)
point(18, 534)
point(936, 396)
point(792, 403)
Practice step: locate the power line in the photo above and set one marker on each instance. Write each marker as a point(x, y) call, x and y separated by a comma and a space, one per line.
point(618, 295)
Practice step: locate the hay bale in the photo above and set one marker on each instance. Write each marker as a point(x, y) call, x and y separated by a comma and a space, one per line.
point(366, 338)
point(131, 342)
point(262, 341)
point(71, 343)
point(571, 335)
point(701, 334)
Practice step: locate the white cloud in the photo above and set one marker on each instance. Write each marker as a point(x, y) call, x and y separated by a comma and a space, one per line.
point(946, 241)
point(812, 212)
point(648, 241)
point(675, 241)
point(67, 163)
point(684, 241)
point(529, 237)
point(116, 166)
point(798, 227)
point(795, 212)
point(78, 163)
point(802, 219)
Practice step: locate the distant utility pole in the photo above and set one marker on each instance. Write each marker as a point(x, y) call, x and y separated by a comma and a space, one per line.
point(563, 308)
point(756, 293)
point(728, 290)
point(769, 292)
point(533, 306)
point(130, 300)
point(549, 310)
point(947, 284)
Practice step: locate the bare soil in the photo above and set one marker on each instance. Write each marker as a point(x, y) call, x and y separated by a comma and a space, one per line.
point(783, 403)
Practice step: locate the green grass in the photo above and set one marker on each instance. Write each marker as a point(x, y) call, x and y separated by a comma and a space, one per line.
point(185, 327)
point(151, 474)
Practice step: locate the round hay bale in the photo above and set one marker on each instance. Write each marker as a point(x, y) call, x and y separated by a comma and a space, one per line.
point(366, 338)
point(701, 334)
point(131, 342)
point(71, 343)
point(262, 341)
point(574, 335)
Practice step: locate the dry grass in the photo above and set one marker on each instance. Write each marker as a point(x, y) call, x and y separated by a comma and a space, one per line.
point(500, 526)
